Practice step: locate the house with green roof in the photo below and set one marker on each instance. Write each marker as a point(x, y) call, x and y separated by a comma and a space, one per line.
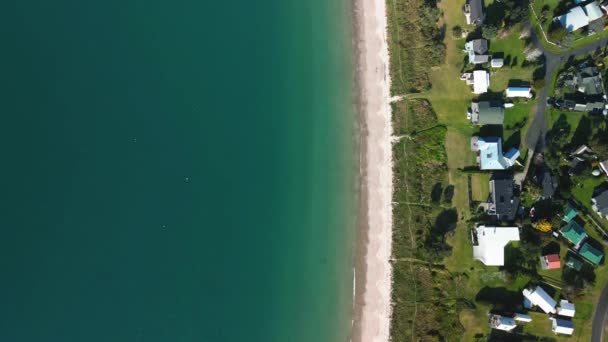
point(487, 113)
point(569, 213)
point(574, 233)
point(574, 262)
point(592, 254)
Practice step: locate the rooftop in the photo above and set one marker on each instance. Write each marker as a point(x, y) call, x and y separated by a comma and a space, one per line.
point(566, 308)
point(491, 242)
point(569, 212)
point(592, 254)
point(481, 81)
point(540, 298)
point(574, 19)
point(502, 196)
point(488, 113)
point(573, 232)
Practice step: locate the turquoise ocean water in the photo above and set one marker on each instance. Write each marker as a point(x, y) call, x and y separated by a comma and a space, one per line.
point(176, 170)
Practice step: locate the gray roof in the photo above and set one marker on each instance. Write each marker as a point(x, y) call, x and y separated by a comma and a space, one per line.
point(476, 13)
point(480, 46)
point(589, 81)
point(507, 205)
point(479, 59)
point(549, 184)
point(491, 114)
point(601, 202)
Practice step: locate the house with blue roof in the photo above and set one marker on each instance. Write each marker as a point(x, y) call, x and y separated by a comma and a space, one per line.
point(519, 92)
point(490, 155)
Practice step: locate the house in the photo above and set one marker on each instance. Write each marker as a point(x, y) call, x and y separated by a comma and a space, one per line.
point(481, 81)
point(583, 149)
point(491, 242)
point(575, 19)
point(562, 326)
point(519, 92)
point(574, 262)
point(576, 166)
point(539, 298)
point(502, 202)
point(599, 204)
point(497, 62)
point(473, 12)
point(604, 5)
point(502, 323)
point(593, 11)
point(591, 254)
point(569, 213)
point(604, 166)
point(565, 308)
point(490, 153)
point(550, 262)
point(487, 113)
point(589, 81)
point(477, 50)
point(522, 317)
point(574, 233)
point(548, 183)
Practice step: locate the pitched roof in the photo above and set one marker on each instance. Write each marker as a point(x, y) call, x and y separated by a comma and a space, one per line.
point(566, 308)
point(501, 195)
point(590, 253)
point(490, 154)
point(600, 203)
point(479, 59)
point(569, 212)
point(562, 326)
point(593, 11)
point(574, 19)
point(552, 261)
point(481, 81)
point(476, 12)
point(490, 114)
point(478, 46)
point(540, 298)
point(573, 232)
point(549, 184)
point(497, 62)
point(491, 242)
point(574, 262)
point(589, 81)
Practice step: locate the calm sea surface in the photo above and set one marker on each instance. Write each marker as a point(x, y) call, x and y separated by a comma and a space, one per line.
point(176, 170)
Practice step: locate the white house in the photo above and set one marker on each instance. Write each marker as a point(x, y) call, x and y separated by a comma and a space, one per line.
point(491, 156)
point(593, 11)
point(491, 242)
point(519, 92)
point(502, 323)
point(497, 62)
point(481, 81)
point(539, 298)
point(522, 317)
point(562, 326)
point(574, 19)
point(565, 308)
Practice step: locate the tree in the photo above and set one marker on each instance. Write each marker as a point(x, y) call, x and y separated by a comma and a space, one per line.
point(457, 32)
point(543, 226)
point(557, 33)
point(489, 31)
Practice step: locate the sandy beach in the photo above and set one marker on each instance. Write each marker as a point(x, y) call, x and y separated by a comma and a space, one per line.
point(373, 269)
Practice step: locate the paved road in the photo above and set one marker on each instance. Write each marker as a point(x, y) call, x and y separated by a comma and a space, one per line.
point(538, 129)
point(600, 317)
point(536, 137)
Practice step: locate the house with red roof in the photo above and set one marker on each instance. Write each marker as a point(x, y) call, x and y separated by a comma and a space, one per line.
point(550, 262)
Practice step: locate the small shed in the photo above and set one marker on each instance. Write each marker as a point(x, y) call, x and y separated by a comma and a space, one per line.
point(497, 63)
point(502, 323)
point(569, 213)
point(574, 262)
point(519, 92)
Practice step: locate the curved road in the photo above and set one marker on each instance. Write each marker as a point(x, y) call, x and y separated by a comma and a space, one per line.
point(536, 137)
point(536, 134)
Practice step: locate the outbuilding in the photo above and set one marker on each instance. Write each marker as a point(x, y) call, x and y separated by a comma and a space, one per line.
point(538, 297)
point(562, 326)
point(566, 308)
point(519, 92)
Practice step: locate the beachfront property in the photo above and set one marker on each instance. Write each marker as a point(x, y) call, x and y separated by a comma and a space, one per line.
point(502, 202)
point(477, 50)
point(473, 12)
point(490, 155)
point(489, 243)
point(504, 323)
point(486, 113)
point(580, 16)
point(479, 79)
point(599, 204)
point(539, 297)
point(519, 92)
point(590, 253)
point(574, 233)
point(550, 262)
point(562, 326)
point(566, 308)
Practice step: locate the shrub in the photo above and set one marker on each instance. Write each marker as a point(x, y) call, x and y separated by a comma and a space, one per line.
point(457, 32)
point(489, 31)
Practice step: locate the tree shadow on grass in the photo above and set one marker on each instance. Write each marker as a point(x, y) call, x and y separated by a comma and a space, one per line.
point(512, 141)
point(500, 298)
point(490, 131)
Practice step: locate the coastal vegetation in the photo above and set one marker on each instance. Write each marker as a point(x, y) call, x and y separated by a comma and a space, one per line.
point(415, 43)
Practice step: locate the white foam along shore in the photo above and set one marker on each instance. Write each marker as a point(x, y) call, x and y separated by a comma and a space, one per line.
point(372, 316)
